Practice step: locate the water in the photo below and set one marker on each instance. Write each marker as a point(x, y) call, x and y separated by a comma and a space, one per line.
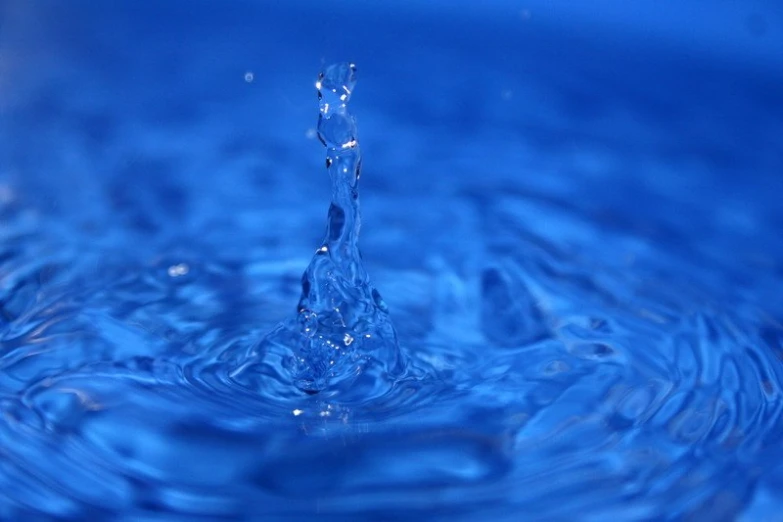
point(342, 332)
point(577, 243)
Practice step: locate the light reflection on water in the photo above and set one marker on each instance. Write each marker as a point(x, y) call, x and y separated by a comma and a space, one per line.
point(584, 276)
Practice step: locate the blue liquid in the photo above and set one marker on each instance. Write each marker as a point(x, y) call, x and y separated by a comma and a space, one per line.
point(342, 336)
point(576, 237)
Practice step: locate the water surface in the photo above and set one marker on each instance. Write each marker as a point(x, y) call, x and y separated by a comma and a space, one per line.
point(573, 220)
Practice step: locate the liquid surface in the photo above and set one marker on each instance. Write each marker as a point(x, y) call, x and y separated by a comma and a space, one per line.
point(578, 248)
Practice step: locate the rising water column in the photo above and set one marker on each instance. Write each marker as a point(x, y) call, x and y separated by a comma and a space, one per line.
point(341, 336)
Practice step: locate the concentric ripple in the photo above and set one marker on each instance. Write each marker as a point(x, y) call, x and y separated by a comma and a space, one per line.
point(554, 363)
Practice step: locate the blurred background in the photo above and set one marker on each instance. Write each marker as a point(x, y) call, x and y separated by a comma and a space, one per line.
point(137, 114)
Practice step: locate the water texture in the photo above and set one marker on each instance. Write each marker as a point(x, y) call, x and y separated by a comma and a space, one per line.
point(575, 225)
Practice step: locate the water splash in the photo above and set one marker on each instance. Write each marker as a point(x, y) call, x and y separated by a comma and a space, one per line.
point(342, 331)
point(567, 359)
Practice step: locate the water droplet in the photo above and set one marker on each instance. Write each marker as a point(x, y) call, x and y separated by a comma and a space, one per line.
point(342, 326)
point(249, 77)
point(335, 85)
point(178, 270)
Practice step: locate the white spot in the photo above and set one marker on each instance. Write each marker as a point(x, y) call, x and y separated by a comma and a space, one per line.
point(297, 412)
point(249, 76)
point(84, 399)
point(178, 270)
point(347, 339)
point(350, 144)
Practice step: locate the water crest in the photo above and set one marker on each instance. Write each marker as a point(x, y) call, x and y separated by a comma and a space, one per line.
point(341, 336)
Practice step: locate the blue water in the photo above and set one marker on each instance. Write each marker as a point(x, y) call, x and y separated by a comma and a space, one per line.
point(341, 341)
point(572, 213)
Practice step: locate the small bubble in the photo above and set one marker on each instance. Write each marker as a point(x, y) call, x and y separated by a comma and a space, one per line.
point(178, 270)
point(249, 77)
point(311, 134)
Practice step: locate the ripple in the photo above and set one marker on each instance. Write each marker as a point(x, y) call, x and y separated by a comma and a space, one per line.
point(551, 361)
point(138, 391)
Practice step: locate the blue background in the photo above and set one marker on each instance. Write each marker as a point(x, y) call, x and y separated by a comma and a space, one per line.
point(602, 175)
